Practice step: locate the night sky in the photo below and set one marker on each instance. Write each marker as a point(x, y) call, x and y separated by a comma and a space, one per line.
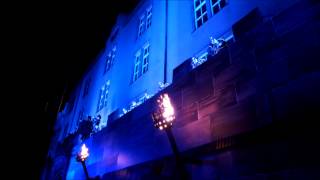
point(53, 43)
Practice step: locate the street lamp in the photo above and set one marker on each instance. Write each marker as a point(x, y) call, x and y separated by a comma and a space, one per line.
point(163, 118)
point(82, 156)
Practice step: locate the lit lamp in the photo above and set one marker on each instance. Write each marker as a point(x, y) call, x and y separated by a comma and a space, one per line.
point(82, 156)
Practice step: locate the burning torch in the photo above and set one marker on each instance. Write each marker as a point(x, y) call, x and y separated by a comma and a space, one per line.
point(82, 156)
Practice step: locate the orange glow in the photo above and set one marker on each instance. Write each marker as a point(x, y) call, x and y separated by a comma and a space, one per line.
point(84, 152)
point(168, 111)
point(164, 116)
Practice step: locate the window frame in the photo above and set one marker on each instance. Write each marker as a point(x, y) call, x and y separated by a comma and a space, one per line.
point(202, 15)
point(149, 17)
point(217, 4)
point(103, 96)
point(110, 60)
point(145, 58)
point(137, 65)
point(141, 26)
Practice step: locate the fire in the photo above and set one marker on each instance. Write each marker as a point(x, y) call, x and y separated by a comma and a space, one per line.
point(84, 152)
point(165, 115)
point(167, 108)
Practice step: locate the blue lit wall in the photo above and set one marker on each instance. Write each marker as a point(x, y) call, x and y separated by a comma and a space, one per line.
point(184, 41)
point(122, 88)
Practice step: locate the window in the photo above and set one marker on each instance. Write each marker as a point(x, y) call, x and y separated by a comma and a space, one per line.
point(145, 60)
point(103, 96)
point(217, 5)
point(145, 21)
point(200, 10)
point(110, 60)
point(141, 26)
point(141, 63)
point(149, 15)
point(137, 65)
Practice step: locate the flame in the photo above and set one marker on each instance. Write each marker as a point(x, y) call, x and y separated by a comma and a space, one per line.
point(164, 116)
point(166, 109)
point(84, 152)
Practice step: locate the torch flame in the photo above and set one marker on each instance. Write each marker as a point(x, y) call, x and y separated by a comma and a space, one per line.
point(84, 152)
point(163, 117)
point(167, 108)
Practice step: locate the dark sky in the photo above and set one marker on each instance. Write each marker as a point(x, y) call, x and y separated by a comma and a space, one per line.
point(52, 44)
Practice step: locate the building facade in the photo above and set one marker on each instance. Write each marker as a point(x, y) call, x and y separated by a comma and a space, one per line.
point(219, 93)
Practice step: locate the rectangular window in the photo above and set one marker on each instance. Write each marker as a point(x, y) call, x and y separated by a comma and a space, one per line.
point(137, 65)
point(113, 56)
point(141, 26)
point(141, 63)
point(103, 96)
point(149, 15)
point(200, 11)
point(217, 5)
point(110, 60)
point(107, 63)
point(145, 58)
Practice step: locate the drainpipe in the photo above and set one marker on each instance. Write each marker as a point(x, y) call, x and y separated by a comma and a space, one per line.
point(166, 45)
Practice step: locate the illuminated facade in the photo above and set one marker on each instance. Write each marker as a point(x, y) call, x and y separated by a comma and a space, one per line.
point(151, 50)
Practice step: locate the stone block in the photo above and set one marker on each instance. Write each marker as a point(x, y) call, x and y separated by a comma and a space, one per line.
point(182, 70)
point(294, 16)
point(206, 107)
point(242, 69)
point(113, 116)
point(225, 97)
point(248, 22)
point(298, 100)
point(205, 69)
point(264, 34)
point(236, 48)
point(186, 115)
point(276, 73)
point(189, 95)
point(193, 134)
point(144, 109)
point(245, 89)
point(204, 86)
point(276, 51)
point(304, 52)
point(183, 82)
point(233, 120)
point(219, 61)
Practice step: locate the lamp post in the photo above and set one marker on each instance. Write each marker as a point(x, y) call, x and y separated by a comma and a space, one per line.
point(81, 157)
point(162, 119)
